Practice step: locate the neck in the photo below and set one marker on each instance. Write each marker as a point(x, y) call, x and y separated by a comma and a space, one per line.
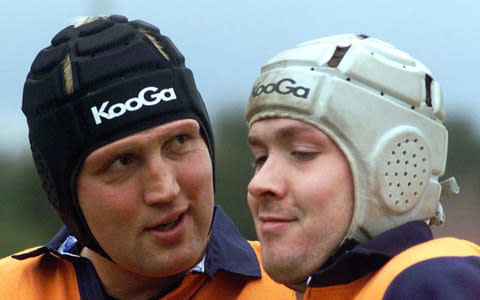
point(299, 288)
point(299, 295)
point(124, 284)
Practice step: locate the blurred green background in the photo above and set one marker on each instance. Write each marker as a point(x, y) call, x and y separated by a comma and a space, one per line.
point(27, 218)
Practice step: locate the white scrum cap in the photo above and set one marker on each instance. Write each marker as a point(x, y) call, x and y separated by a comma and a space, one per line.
point(382, 108)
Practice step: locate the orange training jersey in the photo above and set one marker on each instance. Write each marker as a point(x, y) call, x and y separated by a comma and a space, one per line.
point(231, 270)
point(403, 263)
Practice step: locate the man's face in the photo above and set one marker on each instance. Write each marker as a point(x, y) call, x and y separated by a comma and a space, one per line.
point(301, 197)
point(148, 198)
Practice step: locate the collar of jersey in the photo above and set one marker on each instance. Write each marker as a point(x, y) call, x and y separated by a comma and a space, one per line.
point(227, 250)
point(354, 263)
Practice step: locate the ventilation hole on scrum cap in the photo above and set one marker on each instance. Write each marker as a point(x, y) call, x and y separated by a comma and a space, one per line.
point(424, 159)
point(338, 56)
point(397, 202)
point(386, 173)
point(409, 183)
point(414, 155)
point(381, 93)
point(406, 162)
point(421, 148)
point(396, 174)
point(404, 152)
point(312, 69)
point(348, 78)
point(393, 152)
point(406, 201)
point(428, 86)
point(405, 173)
point(388, 163)
point(398, 161)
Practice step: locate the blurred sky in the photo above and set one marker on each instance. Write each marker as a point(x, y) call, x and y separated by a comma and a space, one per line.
point(226, 42)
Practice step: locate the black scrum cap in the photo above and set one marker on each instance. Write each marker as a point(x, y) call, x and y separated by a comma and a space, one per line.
point(121, 84)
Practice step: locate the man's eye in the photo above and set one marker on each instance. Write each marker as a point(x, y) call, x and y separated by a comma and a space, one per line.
point(258, 162)
point(181, 139)
point(121, 162)
point(303, 155)
point(179, 144)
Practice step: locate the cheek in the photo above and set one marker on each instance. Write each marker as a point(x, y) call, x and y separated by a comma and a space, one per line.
point(328, 195)
point(197, 180)
point(337, 180)
point(344, 189)
point(196, 183)
point(252, 204)
point(87, 199)
point(337, 199)
point(103, 205)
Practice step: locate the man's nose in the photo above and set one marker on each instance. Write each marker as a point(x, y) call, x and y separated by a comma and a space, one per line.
point(269, 181)
point(160, 181)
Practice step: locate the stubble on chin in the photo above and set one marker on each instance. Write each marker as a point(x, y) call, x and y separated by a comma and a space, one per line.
point(281, 266)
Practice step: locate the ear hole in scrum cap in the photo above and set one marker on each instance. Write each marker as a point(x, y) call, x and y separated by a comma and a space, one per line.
point(403, 169)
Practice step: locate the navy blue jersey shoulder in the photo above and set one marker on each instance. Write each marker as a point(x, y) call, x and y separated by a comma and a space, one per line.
point(227, 250)
point(438, 278)
point(63, 244)
point(356, 261)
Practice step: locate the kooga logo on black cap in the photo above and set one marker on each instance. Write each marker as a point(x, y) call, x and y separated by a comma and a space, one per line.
point(132, 104)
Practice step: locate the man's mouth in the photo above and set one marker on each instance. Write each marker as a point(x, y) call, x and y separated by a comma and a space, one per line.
point(169, 225)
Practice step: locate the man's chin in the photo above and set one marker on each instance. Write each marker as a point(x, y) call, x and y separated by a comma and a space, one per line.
point(282, 273)
point(299, 286)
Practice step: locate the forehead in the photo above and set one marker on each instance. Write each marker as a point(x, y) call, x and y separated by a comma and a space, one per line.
point(284, 129)
point(145, 136)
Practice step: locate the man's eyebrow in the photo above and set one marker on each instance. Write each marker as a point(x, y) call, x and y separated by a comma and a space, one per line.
point(288, 132)
point(284, 133)
point(253, 140)
point(302, 129)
